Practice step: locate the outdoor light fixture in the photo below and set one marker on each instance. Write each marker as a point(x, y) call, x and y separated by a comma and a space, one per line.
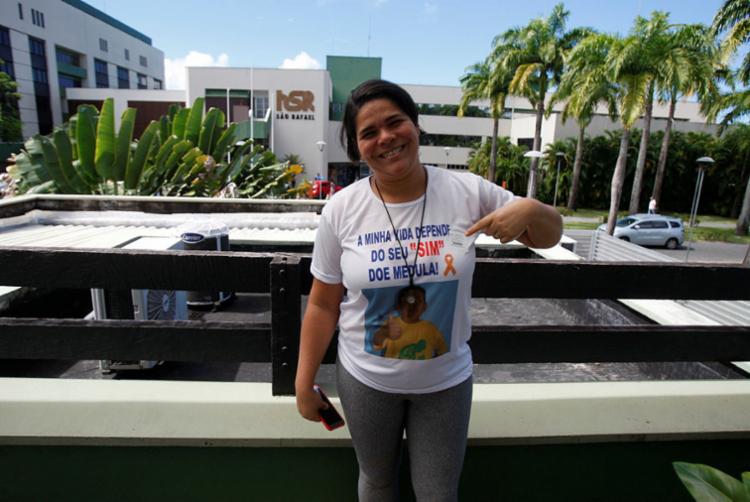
point(321, 145)
point(559, 156)
point(703, 163)
point(532, 154)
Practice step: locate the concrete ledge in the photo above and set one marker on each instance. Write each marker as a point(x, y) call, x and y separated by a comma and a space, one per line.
point(112, 412)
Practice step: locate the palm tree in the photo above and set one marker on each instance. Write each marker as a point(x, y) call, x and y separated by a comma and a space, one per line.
point(584, 89)
point(689, 67)
point(643, 53)
point(599, 57)
point(737, 141)
point(486, 81)
point(535, 56)
point(734, 16)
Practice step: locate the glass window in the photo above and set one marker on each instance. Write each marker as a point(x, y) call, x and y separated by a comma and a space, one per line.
point(157, 84)
point(674, 224)
point(123, 78)
point(260, 106)
point(6, 53)
point(103, 46)
point(36, 46)
point(127, 55)
point(20, 11)
point(659, 224)
point(624, 222)
point(67, 57)
point(143, 60)
point(142, 81)
point(66, 81)
point(102, 73)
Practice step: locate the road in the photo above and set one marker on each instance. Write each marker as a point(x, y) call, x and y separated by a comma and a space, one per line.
point(701, 251)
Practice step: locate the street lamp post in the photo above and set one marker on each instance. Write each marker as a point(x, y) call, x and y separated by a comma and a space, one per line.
point(703, 163)
point(559, 156)
point(447, 151)
point(532, 154)
point(321, 146)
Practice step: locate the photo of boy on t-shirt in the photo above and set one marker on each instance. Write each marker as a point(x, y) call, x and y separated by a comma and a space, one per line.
point(406, 336)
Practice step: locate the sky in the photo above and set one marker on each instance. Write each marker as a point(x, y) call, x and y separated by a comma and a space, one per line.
point(429, 42)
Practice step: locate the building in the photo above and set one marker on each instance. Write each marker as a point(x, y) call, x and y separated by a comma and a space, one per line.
point(299, 112)
point(49, 46)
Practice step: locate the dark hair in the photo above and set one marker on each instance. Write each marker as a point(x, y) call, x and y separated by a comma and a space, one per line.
point(364, 93)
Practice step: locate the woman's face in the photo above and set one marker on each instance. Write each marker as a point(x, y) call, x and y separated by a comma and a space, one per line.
point(387, 140)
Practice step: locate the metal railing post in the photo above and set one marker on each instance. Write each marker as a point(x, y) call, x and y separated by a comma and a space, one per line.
point(285, 322)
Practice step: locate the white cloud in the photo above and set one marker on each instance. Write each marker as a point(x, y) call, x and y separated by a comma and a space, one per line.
point(302, 61)
point(174, 69)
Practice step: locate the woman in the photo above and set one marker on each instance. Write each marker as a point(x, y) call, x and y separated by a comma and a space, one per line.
point(382, 239)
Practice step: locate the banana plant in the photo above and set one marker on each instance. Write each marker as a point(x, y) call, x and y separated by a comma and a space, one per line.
point(182, 153)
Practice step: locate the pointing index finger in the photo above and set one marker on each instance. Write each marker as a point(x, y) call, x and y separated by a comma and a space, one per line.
point(479, 225)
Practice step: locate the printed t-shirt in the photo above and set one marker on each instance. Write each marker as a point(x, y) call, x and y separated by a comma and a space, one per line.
point(356, 245)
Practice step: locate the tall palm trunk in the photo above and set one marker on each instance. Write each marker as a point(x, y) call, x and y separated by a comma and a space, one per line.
point(662, 164)
point(573, 196)
point(618, 179)
point(531, 189)
point(493, 151)
point(744, 220)
point(635, 194)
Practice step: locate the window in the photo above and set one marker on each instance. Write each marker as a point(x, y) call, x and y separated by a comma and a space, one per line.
point(66, 81)
point(103, 46)
point(65, 56)
point(20, 11)
point(37, 18)
point(142, 81)
point(157, 84)
point(123, 78)
point(41, 85)
point(102, 73)
point(144, 62)
point(260, 106)
point(6, 53)
point(674, 224)
point(36, 47)
point(127, 55)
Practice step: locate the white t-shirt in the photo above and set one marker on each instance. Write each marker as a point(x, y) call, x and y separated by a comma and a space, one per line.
point(355, 245)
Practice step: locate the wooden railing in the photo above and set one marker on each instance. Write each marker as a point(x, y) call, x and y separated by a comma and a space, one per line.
point(286, 277)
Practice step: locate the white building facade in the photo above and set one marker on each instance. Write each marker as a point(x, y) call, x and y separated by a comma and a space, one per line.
point(48, 46)
point(298, 112)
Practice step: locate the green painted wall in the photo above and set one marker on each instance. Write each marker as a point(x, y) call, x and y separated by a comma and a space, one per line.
point(577, 472)
point(346, 74)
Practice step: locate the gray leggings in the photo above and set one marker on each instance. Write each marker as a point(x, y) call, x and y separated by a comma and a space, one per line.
point(436, 427)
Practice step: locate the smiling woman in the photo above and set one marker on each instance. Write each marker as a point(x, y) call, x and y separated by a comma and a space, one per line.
point(400, 244)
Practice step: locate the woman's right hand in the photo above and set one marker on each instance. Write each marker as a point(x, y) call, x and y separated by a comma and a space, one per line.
point(309, 403)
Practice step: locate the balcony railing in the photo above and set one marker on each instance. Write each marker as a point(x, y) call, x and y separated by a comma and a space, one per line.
point(286, 277)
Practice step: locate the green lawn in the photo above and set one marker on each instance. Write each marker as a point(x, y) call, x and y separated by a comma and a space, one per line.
point(701, 233)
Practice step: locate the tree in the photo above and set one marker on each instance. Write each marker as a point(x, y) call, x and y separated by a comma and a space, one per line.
point(690, 66)
point(10, 122)
point(535, 55)
point(643, 53)
point(600, 57)
point(486, 80)
point(583, 88)
point(734, 17)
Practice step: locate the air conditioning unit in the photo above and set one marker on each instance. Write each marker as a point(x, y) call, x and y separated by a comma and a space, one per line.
point(140, 304)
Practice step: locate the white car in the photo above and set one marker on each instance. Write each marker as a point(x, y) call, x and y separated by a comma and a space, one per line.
point(650, 230)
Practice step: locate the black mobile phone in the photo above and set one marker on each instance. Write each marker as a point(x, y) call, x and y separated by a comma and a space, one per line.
point(330, 417)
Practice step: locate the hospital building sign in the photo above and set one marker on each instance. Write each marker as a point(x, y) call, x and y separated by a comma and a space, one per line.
point(295, 105)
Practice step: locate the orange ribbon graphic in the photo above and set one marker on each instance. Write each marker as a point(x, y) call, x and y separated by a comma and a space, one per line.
point(449, 263)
